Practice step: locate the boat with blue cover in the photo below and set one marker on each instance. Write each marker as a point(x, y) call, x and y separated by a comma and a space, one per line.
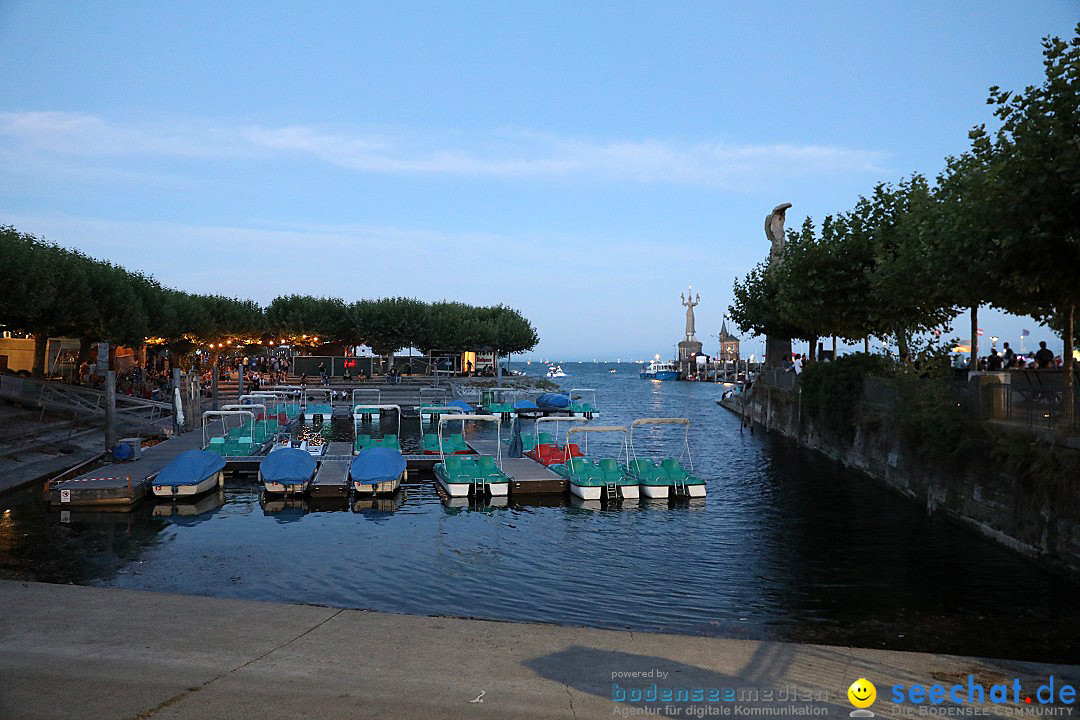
point(592, 479)
point(462, 476)
point(660, 370)
point(377, 471)
point(667, 477)
point(362, 441)
point(287, 470)
point(192, 472)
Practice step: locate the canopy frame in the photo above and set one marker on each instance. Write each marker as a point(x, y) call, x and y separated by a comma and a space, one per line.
point(685, 422)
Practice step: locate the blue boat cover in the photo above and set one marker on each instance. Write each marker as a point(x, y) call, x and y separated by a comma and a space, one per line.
point(287, 465)
point(525, 405)
point(376, 464)
point(553, 400)
point(466, 407)
point(190, 468)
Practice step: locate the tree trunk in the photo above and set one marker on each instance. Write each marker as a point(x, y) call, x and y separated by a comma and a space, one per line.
point(866, 344)
point(834, 348)
point(41, 346)
point(974, 364)
point(812, 355)
point(1067, 365)
point(902, 346)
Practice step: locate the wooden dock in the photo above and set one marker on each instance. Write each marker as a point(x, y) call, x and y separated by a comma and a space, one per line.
point(332, 477)
point(122, 483)
point(527, 477)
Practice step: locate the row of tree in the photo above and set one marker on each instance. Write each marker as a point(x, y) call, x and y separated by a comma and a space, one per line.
point(999, 226)
point(50, 291)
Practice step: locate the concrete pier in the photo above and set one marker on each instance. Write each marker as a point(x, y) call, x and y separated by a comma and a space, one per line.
point(77, 652)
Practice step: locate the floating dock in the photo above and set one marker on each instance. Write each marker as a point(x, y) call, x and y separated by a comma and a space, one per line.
point(122, 483)
point(332, 478)
point(527, 477)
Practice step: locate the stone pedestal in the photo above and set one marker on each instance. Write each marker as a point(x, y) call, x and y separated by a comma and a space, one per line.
point(687, 349)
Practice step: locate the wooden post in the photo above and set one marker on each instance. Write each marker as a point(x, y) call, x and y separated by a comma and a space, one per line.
point(177, 427)
point(213, 389)
point(110, 410)
point(240, 375)
point(974, 364)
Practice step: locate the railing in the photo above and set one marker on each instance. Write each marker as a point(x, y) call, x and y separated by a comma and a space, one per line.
point(1034, 406)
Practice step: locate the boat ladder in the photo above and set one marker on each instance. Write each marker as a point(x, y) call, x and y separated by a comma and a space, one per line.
point(680, 488)
point(612, 490)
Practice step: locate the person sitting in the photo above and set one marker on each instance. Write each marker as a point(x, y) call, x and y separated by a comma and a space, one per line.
point(994, 361)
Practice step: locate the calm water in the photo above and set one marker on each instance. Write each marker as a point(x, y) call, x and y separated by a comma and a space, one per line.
point(786, 546)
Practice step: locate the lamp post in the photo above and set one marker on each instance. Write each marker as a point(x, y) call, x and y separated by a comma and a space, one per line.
point(993, 341)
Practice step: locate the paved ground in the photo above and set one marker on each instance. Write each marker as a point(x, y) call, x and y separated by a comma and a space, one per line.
point(77, 652)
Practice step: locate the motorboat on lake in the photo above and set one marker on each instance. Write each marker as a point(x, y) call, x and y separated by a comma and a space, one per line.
point(660, 370)
point(377, 471)
point(191, 473)
point(462, 476)
point(287, 471)
point(555, 371)
point(668, 477)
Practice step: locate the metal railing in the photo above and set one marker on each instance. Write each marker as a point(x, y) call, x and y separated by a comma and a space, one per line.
point(1034, 406)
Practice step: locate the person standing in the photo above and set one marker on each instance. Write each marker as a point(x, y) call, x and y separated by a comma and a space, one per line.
point(1008, 357)
point(322, 373)
point(1044, 358)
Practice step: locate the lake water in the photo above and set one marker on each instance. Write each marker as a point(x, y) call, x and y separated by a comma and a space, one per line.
point(787, 546)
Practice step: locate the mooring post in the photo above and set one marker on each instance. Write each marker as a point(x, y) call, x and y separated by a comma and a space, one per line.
point(240, 387)
point(213, 377)
point(110, 410)
point(177, 427)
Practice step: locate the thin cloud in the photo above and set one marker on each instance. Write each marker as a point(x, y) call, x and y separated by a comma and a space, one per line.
point(519, 154)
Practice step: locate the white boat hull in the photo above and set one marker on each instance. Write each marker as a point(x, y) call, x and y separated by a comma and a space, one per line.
point(655, 491)
point(694, 491)
point(386, 487)
point(456, 490)
point(585, 492)
point(202, 486)
point(594, 492)
point(188, 490)
point(298, 487)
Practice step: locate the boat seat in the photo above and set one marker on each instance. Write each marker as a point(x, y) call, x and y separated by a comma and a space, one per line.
point(546, 439)
point(217, 441)
point(673, 469)
point(487, 466)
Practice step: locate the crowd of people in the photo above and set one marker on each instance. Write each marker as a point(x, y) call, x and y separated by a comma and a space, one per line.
point(1042, 359)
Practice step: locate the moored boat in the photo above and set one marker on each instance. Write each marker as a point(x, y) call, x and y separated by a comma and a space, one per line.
point(605, 478)
point(191, 473)
point(666, 478)
point(660, 370)
point(377, 471)
point(462, 476)
point(287, 471)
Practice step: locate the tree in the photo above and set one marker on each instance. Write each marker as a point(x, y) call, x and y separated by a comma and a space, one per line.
point(1033, 194)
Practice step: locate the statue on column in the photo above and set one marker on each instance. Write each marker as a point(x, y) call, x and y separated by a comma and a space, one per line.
point(774, 231)
point(777, 349)
point(689, 303)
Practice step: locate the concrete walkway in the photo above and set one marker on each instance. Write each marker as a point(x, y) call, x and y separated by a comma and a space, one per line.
point(78, 652)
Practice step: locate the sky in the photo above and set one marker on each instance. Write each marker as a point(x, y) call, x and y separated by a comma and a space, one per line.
point(582, 162)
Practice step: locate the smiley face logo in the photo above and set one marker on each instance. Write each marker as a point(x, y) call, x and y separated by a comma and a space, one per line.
point(862, 693)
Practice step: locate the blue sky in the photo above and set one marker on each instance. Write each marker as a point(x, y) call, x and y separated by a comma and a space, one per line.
point(583, 162)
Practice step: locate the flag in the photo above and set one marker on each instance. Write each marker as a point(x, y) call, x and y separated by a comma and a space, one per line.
point(936, 332)
point(1025, 333)
point(980, 332)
